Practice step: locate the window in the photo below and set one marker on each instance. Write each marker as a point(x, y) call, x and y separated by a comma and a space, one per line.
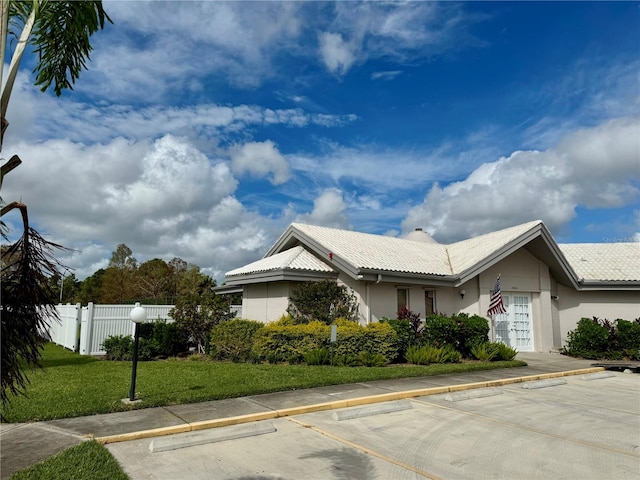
point(403, 298)
point(429, 302)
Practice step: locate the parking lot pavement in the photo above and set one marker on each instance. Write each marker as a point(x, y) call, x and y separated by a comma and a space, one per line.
point(583, 427)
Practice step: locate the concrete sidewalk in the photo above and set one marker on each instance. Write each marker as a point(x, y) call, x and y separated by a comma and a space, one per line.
point(22, 445)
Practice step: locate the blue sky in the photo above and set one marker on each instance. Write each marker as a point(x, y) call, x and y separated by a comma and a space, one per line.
point(202, 129)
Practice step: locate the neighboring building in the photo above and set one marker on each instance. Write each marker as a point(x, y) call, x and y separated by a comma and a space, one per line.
point(546, 287)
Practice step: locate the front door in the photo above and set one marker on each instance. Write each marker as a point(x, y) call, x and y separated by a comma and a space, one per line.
point(514, 327)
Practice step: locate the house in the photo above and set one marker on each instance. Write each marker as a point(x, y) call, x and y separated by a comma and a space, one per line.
point(546, 287)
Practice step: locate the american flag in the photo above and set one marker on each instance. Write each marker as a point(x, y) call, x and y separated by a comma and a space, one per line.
point(495, 305)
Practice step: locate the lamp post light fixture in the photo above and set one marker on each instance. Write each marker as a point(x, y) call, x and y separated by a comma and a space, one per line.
point(138, 315)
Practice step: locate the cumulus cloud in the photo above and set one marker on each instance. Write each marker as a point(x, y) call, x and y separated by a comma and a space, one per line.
point(261, 159)
point(595, 168)
point(163, 199)
point(328, 211)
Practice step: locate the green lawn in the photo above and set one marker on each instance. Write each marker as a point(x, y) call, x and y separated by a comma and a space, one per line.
point(87, 461)
point(73, 385)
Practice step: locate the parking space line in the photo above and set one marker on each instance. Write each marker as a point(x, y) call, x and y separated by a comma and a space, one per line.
point(366, 450)
point(530, 429)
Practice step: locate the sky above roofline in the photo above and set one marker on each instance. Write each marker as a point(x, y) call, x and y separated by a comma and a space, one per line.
point(202, 129)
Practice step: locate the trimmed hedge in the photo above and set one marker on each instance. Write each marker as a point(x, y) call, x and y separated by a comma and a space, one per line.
point(233, 339)
point(279, 342)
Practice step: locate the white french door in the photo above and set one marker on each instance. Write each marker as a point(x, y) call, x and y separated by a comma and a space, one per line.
point(514, 327)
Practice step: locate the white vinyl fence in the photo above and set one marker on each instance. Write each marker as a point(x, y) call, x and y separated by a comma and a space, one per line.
point(84, 329)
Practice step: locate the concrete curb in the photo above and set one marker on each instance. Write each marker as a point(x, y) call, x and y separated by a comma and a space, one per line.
point(319, 407)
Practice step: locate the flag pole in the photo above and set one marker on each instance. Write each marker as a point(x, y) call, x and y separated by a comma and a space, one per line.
point(492, 316)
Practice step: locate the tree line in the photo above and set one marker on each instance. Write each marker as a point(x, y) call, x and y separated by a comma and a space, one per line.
point(125, 281)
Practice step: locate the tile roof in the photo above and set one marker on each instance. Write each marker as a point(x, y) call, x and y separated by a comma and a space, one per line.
point(364, 251)
point(467, 253)
point(604, 261)
point(296, 258)
point(379, 252)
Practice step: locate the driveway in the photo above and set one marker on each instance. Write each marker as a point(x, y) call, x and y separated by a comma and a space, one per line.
point(582, 427)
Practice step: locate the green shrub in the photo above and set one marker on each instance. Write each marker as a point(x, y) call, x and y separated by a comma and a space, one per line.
point(628, 337)
point(440, 330)
point(348, 360)
point(493, 351)
point(368, 359)
point(590, 339)
point(318, 356)
point(288, 343)
point(233, 339)
point(485, 352)
point(405, 334)
point(160, 339)
point(375, 338)
point(427, 354)
point(505, 352)
point(323, 301)
point(168, 339)
point(472, 330)
point(118, 347)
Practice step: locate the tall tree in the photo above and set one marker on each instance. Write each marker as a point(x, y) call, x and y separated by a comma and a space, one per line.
point(178, 268)
point(198, 309)
point(118, 282)
point(59, 33)
point(91, 287)
point(153, 280)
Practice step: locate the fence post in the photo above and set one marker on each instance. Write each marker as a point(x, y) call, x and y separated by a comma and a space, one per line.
point(86, 330)
point(76, 344)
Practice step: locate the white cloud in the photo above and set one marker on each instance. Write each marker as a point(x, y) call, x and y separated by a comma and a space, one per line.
point(163, 199)
point(398, 31)
point(595, 168)
point(156, 48)
point(337, 55)
point(386, 75)
point(328, 211)
point(34, 115)
point(261, 159)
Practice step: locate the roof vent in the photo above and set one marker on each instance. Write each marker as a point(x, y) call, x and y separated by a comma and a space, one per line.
point(418, 235)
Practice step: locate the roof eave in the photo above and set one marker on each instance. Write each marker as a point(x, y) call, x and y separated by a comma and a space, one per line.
point(285, 274)
point(403, 278)
point(590, 285)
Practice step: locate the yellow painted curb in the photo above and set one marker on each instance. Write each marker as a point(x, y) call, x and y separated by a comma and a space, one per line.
point(155, 432)
point(240, 419)
point(320, 407)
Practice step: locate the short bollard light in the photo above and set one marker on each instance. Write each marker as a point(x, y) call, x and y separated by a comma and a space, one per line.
point(138, 315)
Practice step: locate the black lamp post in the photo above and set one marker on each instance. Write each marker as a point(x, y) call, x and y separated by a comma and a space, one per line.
point(138, 315)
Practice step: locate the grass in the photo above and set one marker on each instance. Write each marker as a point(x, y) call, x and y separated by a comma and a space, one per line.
point(86, 461)
point(74, 385)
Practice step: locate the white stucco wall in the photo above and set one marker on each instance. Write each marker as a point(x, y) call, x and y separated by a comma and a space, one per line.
point(523, 273)
point(265, 302)
point(574, 305)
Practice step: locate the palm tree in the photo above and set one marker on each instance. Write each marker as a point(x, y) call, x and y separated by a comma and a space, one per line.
point(59, 32)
